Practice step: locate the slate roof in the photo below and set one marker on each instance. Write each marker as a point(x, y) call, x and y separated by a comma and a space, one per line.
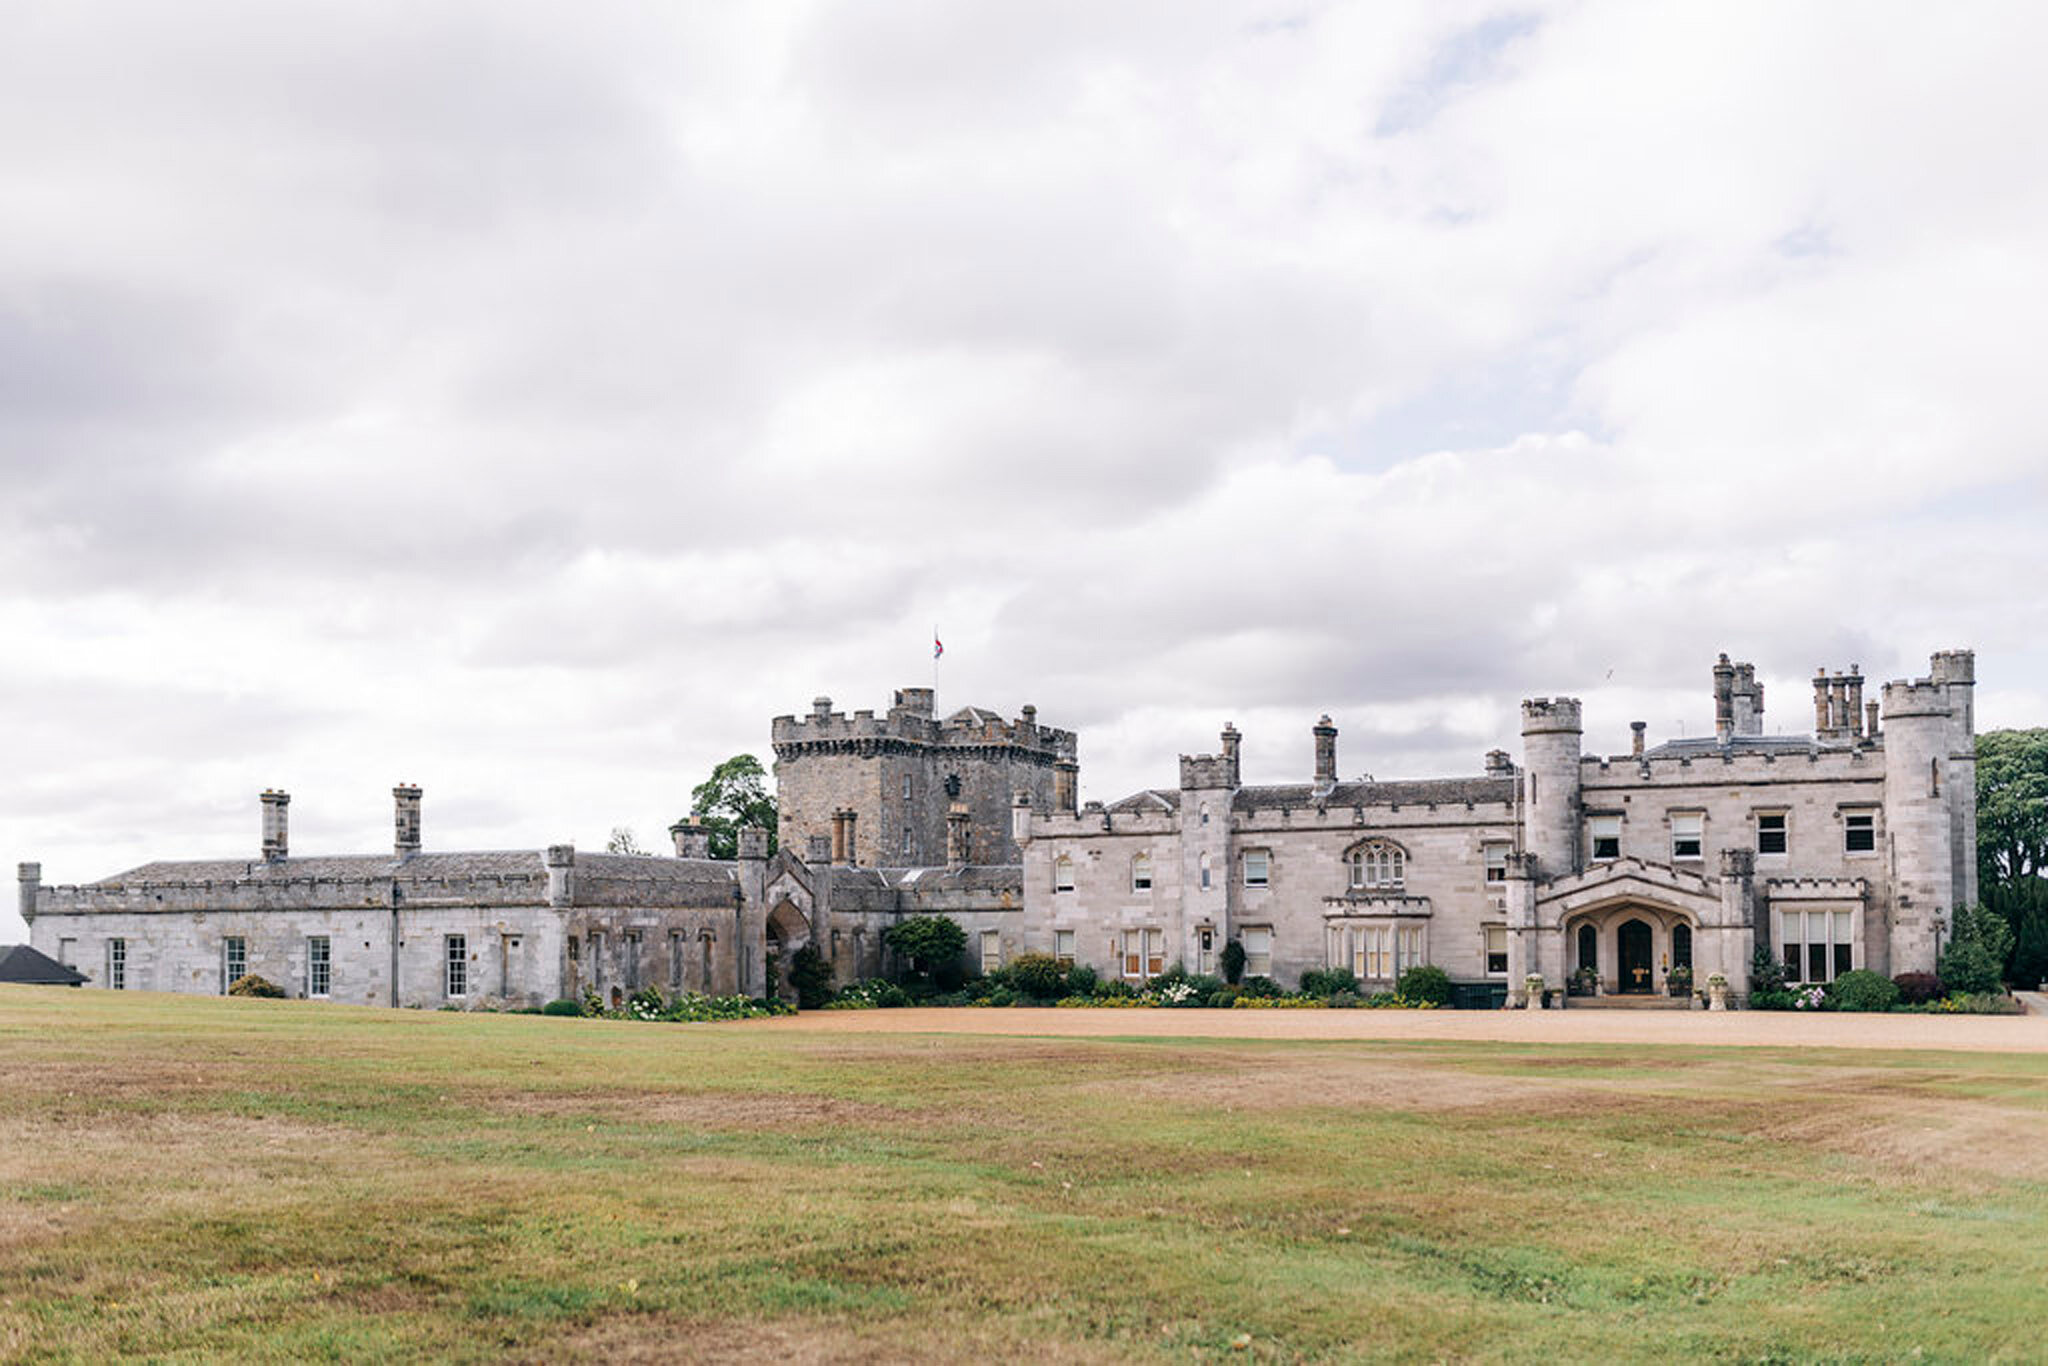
point(486, 863)
point(1412, 792)
point(23, 965)
point(1707, 746)
point(1151, 799)
point(975, 877)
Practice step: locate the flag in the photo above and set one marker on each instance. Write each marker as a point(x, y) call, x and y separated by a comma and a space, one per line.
point(937, 647)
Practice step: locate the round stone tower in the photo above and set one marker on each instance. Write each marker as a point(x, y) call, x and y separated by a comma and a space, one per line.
point(1551, 731)
point(1917, 822)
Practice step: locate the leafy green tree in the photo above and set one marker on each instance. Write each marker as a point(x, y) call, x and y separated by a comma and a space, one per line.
point(622, 842)
point(2012, 807)
point(930, 942)
point(735, 795)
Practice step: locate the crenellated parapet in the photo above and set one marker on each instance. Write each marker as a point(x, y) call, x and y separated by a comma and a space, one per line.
point(910, 728)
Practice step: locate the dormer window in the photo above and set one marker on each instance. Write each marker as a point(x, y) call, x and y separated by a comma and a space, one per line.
point(1378, 865)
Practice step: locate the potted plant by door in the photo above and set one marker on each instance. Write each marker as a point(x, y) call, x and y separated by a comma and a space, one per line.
point(1585, 982)
point(1679, 981)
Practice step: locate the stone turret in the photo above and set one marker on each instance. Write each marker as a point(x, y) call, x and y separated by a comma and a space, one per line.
point(30, 876)
point(276, 825)
point(1919, 828)
point(1552, 731)
point(1956, 670)
point(405, 820)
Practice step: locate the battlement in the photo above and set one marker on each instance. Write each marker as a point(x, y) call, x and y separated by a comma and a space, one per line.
point(1548, 715)
point(1208, 772)
point(1713, 764)
point(1816, 888)
point(909, 725)
point(1953, 666)
point(1921, 697)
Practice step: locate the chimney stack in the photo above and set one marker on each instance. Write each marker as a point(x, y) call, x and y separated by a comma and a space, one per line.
point(1724, 699)
point(692, 837)
point(276, 835)
point(1635, 744)
point(1066, 786)
point(842, 836)
point(1854, 719)
point(1326, 754)
point(1747, 701)
point(1870, 720)
point(405, 817)
point(956, 836)
point(1231, 740)
point(1499, 764)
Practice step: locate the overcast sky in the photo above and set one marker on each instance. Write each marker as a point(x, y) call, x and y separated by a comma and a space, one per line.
point(530, 401)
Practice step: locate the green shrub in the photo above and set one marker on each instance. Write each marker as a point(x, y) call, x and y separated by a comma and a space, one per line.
point(1968, 967)
point(876, 994)
point(1000, 996)
point(1260, 988)
point(1113, 989)
point(1424, 985)
point(1037, 975)
point(1223, 998)
point(1328, 982)
point(564, 1007)
point(249, 984)
point(1864, 990)
point(1766, 973)
point(1081, 980)
point(1343, 1000)
point(810, 972)
point(1233, 962)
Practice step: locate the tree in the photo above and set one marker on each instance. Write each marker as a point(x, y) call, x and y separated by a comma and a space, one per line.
point(810, 972)
point(2012, 807)
point(735, 795)
point(1978, 946)
point(930, 942)
point(622, 842)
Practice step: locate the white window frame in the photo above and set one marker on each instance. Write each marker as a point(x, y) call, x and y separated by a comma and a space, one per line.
point(991, 951)
point(1840, 946)
point(234, 953)
point(1258, 867)
point(1411, 948)
point(1604, 826)
point(117, 965)
point(1377, 865)
point(1258, 950)
point(1783, 832)
point(319, 966)
point(455, 966)
point(1063, 947)
point(1493, 856)
point(1688, 826)
point(1856, 819)
point(1141, 872)
point(1143, 953)
point(1372, 953)
point(1063, 874)
point(1491, 935)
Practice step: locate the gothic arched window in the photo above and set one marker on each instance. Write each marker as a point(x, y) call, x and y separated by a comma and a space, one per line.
point(1378, 865)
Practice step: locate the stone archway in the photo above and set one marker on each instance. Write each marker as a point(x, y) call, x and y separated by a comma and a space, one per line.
point(1634, 944)
point(788, 931)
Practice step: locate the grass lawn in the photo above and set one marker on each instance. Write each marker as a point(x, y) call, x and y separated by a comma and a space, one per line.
point(185, 1177)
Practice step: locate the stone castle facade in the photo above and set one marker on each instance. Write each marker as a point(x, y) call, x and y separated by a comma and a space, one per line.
point(1846, 848)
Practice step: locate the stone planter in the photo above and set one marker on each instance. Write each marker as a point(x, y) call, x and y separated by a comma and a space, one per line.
point(1717, 992)
point(1532, 990)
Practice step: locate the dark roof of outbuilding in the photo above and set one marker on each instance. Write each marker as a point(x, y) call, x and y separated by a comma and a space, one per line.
point(23, 965)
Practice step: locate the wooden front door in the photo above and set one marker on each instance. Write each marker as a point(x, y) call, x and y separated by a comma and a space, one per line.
point(1632, 954)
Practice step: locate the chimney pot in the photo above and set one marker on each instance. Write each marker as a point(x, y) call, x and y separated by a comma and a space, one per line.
point(405, 815)
point(276, 825)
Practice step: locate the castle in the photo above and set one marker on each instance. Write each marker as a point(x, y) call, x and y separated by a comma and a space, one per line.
point(1625, 874)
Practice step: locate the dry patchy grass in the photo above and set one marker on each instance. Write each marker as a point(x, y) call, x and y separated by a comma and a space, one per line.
point(186, 1177)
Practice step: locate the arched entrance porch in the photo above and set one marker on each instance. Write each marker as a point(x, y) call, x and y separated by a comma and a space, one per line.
point(1632, 947)
point(788, 931)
